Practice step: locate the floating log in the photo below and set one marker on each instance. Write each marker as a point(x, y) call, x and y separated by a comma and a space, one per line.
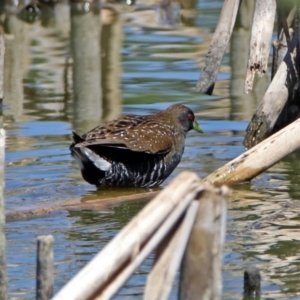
point(44, 268)
point(259, 158)
point(218, 47)
point(201, 273)
point(261, 36)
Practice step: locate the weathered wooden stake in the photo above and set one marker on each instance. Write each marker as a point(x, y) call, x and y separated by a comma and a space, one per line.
point(44, 270)
point(252, 283)
point(261, 36)
point(201, 273)
point(3, 276)
point(160, 279)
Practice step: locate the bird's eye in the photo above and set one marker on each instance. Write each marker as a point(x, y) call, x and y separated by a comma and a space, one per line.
point(191, 117)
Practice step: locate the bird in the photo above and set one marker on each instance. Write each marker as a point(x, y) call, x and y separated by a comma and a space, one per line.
point(134, 150)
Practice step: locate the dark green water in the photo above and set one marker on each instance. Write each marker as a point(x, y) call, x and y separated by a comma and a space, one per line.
point(53, 85)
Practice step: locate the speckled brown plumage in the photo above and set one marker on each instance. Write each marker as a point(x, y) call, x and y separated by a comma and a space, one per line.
point(134, 150)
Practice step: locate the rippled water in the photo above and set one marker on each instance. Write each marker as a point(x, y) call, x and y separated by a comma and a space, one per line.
point(145, 67)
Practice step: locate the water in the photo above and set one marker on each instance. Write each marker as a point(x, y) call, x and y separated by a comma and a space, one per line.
point(145, 67)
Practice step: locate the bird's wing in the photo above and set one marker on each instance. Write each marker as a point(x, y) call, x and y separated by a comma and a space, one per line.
point(140, 135)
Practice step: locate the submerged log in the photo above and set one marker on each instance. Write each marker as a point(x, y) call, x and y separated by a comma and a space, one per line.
point(261, 36)
point(218, 47)
point(170, 216)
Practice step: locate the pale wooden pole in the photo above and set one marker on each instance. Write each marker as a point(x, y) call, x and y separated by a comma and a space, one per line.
point(3, 275)
point(161, 277)
point(261, 37)
point(44, 268)
point(201, 272)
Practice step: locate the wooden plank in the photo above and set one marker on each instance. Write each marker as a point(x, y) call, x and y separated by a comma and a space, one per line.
point(259, 158)
point(261, 36)
point(44, 268)
point(91, 280)
point(218, 47)
point(160, 279)
point(201, 273)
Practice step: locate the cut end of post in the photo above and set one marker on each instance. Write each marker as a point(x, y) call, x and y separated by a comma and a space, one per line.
point(252, 280)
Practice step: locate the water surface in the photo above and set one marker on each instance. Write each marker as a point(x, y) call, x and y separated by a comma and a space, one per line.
point(53, 88)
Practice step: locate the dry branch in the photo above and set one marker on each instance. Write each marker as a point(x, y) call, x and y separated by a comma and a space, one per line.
point(259, 158)
point(218, 47)
point(160, 279)
point(280, 46)
point(274, 100)
point(261, 36)
point(91, 280)
point(163, 230)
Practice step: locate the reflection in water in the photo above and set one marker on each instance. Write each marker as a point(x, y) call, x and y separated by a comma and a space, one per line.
point(47, 94)
point(85, 47)
point(111, 45)
point(16, 42)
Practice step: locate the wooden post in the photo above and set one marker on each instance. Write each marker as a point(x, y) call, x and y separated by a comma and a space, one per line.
point(44, 270)
point(252, 283)
point(201, 272)
point(3, 276)
point(261, 36)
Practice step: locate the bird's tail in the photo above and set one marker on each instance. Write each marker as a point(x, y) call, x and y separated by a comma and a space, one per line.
point(89, 171)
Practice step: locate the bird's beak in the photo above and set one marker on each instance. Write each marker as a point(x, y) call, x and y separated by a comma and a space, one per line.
point(197, 127)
